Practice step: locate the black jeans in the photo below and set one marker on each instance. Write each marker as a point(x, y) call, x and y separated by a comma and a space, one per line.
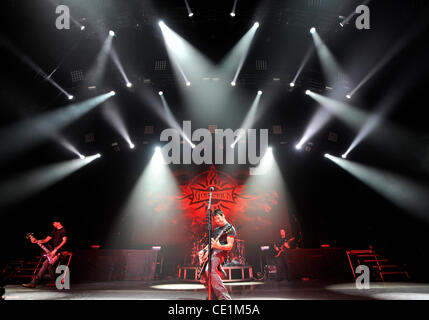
point(218, 288)
point(51, 268)
point(282, 267)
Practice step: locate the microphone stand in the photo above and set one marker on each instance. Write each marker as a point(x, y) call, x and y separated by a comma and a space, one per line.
point(209, 226)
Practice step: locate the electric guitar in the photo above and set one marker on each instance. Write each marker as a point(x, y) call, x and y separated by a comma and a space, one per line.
point(284, 246)
point(48, 254)
point(204, 259)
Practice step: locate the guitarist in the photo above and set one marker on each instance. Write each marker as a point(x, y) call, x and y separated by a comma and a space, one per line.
point(281, 246)
point(219, 252)
point(59, 239)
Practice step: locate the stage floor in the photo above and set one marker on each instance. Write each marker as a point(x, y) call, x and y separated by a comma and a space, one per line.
point(252, 290)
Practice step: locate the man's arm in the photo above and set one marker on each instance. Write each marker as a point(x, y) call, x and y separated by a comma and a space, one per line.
point(60, 245)
point(226, 247)
point(48, 238)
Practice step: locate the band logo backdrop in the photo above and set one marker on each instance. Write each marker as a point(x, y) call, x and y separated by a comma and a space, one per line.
point(256, 208)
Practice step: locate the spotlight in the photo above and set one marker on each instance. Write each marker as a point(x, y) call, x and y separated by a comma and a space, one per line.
point(312, 30)
point(327, 155)
point(232, 14)
point(344, 156)
point(233, 83)
point(70, 97)
point(341, 24)
point(259, 92)
point(82, 28)
point(292, 84)
point(256, 25)
point(348, 96)
point(190, 14)
point(161, 23)
point(188, 83)
point(111, 33)
point(307, 92)
point(157, 149)
point(112, 93)
point(132, 146)
point(98, 156)
point(129, 84)
point(160, 93)
point(298, 147)
point(192, 145)
point(82, 156)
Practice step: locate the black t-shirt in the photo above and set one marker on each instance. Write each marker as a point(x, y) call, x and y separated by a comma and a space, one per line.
point(281, 241)
point(57, 237)
point(223, 238)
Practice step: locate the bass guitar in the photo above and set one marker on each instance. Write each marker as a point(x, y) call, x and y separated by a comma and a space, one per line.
point(204, 259)
point(48, 254)
point(284, 247)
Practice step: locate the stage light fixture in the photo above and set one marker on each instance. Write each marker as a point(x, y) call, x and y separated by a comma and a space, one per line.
point(298, 146)
point(82, 156)
point(160, 93)
point(132, 146)
point(190, 14)
point(157, 149)
point(312, 30)
point(344, 156)
point(232, 14)
point(327, 155)
point(111, 33)
point(348, 96)
point(256, 25)
point(129, 84)
point(82, 28)
point(98, 156)
point(292, 84)
point(307, 92)
point(188, 83)
point(70, 97)
point(341, 24)
point(112, 93)
point(259, 92)
point(233, 83)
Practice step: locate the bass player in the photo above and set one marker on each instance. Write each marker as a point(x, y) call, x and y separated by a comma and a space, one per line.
point(59, 239)
point(281, 246)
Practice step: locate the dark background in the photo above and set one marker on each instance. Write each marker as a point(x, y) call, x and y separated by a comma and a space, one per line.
point(332, 206)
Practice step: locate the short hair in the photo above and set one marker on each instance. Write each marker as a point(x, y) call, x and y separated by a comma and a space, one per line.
point(57, 219)
point(218, 212)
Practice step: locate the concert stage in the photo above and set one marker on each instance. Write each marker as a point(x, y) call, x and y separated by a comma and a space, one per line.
point(251, 290)
point(275, 138)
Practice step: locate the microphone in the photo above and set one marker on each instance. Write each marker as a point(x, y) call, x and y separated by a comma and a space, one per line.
point(211, 188)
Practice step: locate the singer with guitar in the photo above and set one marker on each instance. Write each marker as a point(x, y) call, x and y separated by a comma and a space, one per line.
point(282, 246)
point(59, 239)
point(222, 242)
